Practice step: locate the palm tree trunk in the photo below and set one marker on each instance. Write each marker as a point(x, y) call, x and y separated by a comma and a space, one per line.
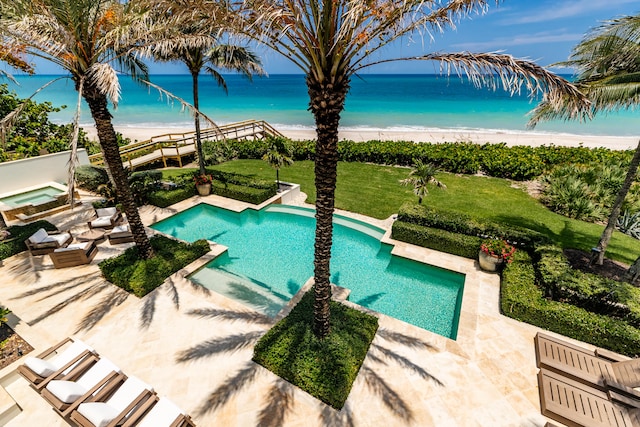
point(326, 104)
point(598, 254)
point(278, 179)
point(194, 75)
point(108, 142)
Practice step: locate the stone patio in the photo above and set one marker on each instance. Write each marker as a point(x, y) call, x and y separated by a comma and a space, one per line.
point(195, 347)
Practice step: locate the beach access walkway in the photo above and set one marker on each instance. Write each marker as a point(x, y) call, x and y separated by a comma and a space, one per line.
point(195, 347)
point(176, 146)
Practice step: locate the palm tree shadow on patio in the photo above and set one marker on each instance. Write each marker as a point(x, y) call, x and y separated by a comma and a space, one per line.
point(279, 401)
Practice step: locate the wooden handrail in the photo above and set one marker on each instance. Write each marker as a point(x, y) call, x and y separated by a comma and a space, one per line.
point(243, 129)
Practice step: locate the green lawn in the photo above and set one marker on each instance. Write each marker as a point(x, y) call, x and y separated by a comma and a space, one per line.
point(375, 191)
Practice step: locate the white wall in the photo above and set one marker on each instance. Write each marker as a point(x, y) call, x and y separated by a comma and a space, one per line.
point(34, 171)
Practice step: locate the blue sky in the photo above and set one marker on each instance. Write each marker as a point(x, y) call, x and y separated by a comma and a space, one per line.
point(543, 31)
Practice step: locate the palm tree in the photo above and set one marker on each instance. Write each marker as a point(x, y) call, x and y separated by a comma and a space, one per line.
point(420, 177)
point(211, 56)
point(607, 62)
point(331, 41)
point(278, 155)
point(87, 38)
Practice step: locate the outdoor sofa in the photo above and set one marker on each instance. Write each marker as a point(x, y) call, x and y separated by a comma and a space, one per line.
point(74, 254)
point(43, 242)
point(105, 218)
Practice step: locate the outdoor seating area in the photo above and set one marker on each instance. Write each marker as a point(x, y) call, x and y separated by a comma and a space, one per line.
point(91, 391)
point(582, 387)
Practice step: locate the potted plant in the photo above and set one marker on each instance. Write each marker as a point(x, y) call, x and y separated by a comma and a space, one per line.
point(494, 254)
point(203, 184)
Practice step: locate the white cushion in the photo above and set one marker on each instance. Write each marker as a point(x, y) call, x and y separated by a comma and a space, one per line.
point(38, 236)
point(60, 238)
point(124, 228)
point(66, 391)
point(162, 414)
point(127, 392)
point(84, 246)
point(98, 413)
point(41, 367)
point(106, 212)
point(97, 372)
point(101, 222)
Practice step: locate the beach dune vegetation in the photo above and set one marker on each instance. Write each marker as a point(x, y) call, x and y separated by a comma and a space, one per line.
point(607, 61)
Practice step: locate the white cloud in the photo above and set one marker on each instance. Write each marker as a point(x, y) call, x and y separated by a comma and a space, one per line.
point(518, 40)
point(562, 10)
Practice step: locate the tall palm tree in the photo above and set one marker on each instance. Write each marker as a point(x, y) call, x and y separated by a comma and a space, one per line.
point(421, 177)
point(211, 56)
point(331, 41)
point(88, 38)
point(607, 62)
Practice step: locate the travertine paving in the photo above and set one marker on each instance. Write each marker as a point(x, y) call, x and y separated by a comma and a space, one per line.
point(195, 347)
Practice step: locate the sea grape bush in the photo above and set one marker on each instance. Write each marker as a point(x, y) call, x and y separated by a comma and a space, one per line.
point(498, 160)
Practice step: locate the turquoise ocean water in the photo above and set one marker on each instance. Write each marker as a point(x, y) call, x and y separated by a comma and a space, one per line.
point(375, 102)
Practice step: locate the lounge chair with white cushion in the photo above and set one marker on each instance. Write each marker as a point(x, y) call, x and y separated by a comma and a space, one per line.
point(59, 359)
point(65, 396)
point(163, 413)
point(42, 242)
point(105, 218)
point(74, 254)
point(115, 409)
point(120, 234)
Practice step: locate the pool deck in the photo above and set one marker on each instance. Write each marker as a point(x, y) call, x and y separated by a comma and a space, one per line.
point(195, 347)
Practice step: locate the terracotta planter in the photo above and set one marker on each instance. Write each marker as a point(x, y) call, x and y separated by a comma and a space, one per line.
point(203, 189)
point(489, 263)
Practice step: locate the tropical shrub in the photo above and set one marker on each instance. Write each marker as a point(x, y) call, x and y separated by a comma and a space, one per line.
point(18, 234)
point(498, 248)
point(216, 152)
point(90, 178)
point(629, 224)
point(140, 276)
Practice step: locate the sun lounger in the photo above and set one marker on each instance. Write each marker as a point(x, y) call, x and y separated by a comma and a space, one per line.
point(65, 395)
point(575, 404)
point(120, 234)
point(113, 410)
point(597, 368)
point(105, 218)
point(159, 412)
point(42, 242)
point(75, 254)
point(55, 361)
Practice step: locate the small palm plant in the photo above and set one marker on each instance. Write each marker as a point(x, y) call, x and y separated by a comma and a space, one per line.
point(422, 175)
point(4, 312)
point(279, 155)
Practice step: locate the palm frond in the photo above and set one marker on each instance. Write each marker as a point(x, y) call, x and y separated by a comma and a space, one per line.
point(106, 80)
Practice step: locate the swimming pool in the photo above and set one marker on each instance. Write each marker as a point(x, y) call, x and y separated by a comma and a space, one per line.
point(33, 197)
point(270, 257)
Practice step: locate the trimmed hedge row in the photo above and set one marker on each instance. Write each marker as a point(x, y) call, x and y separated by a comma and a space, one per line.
point(499, 160)
point(522, 300)
point(165, 198)
point(439, 240)
point(245, 194)
point(589, 291)
point(457, 222)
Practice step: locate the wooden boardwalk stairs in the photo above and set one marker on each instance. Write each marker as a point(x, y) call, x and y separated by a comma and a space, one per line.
point(177, 146)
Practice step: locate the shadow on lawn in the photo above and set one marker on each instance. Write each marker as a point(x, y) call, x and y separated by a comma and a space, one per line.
point(279, 401)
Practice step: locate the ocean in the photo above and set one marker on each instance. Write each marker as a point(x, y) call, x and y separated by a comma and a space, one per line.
point(375, 102)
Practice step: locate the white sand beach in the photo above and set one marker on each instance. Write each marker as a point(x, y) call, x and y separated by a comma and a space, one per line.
point(434, 136)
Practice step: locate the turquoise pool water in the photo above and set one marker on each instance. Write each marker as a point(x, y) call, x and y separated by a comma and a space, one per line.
point(40, 195)
point(270, 257)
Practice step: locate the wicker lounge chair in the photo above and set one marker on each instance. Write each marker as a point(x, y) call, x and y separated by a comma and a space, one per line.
point(75, 254)
point(159, 412)
point(114, 409)
point(575, 404)
point(99, 380)
point(599, 368)
point(120, 234)
point(105, 218)
point(42, 242)
point(57, 360)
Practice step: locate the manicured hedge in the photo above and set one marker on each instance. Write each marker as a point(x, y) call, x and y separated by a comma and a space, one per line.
point(323, 368)
point(439, 240)
point(499, 160)
point(165, 198)
point(140, 276)
point(521, 299)
point(19, 233)
point(242, 193)
point(457, 222)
